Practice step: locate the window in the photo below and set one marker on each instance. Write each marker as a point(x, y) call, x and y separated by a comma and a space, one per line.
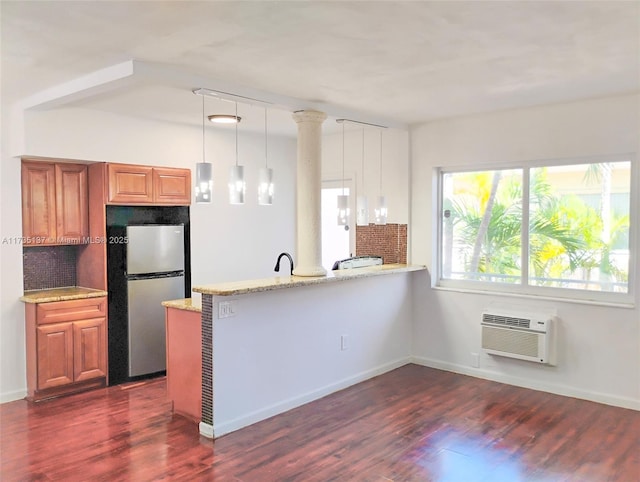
point(549, 228)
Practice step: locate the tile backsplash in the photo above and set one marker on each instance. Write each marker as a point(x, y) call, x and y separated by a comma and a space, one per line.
point(388, 241)
point(46, 267)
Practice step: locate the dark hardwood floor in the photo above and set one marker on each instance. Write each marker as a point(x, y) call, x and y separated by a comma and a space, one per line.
point(411, 424)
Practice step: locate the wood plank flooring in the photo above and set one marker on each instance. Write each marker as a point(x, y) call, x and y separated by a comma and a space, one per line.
point(411, 424)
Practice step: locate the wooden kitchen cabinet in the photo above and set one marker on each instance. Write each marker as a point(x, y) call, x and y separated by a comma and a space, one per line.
point(72, 219)
point(66, 347)
point(130, 183)
point(55, 355)
point(171, 186)
point(184, 361)
point(54, 203)
point(89, 349)
point(133, 184)
point(38, 202)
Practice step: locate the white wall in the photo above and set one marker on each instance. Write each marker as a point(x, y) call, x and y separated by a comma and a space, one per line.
point(12, 341)
point(228, 242)
point(395, 167)
point(599, 346)
point(283, 347)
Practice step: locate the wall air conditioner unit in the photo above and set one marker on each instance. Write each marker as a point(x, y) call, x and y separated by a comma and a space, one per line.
point(526, 336)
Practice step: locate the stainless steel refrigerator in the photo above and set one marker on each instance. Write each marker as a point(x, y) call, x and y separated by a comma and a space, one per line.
point(155, 273)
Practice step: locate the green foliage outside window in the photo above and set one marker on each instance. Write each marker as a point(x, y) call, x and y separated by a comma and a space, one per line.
point(569, 243)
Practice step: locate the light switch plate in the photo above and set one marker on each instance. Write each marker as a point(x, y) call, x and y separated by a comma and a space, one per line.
point(226, 309)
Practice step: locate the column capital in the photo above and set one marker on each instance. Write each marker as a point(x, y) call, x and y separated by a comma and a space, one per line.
point(309, 116)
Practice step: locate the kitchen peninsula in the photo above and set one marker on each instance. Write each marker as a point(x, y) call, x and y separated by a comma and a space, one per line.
point(280, 342)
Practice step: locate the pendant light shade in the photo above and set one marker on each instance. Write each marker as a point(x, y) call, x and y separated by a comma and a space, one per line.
point(236, 185)
point(362, 215)
point(236, 176)
point(343, 210)
point(381, 210)
point(204, 182)
point(265, 177)
point(265, 186)
point(204, 173)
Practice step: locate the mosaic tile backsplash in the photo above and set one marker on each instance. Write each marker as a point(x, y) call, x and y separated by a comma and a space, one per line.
point(47, 267)
point(207, 359)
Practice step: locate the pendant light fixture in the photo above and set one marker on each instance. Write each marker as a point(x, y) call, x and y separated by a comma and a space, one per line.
point(224, 119)
point(381, 206)
point(265, 178)
point(362, 211)
point(204, 173)
point(236, 176)
point(343, 200)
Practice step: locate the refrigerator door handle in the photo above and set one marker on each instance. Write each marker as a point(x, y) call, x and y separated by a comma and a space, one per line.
point(166, 274)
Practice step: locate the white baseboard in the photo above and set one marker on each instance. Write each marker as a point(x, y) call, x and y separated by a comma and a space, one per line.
point(11, 396)
point(566, 391)
point(225, 427)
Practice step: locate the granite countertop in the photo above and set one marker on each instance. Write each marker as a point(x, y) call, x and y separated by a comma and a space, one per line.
point(188, 304)
point(279, 282)
point(61, 294)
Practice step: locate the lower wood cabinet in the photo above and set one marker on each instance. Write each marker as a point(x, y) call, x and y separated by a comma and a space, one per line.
point(55, 355)
point(184, 361)
point(66, 347)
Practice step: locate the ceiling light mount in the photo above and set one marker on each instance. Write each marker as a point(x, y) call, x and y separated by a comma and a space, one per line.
point(342, 121)
point(231, 97)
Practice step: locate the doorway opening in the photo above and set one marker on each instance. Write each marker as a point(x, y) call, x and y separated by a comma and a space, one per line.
point(337, 242)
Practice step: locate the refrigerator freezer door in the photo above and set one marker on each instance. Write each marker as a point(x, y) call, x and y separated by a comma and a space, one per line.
point(146, 322)
point(155, 249)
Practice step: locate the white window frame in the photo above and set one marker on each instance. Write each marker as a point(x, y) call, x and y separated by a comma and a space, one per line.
point(506, 289)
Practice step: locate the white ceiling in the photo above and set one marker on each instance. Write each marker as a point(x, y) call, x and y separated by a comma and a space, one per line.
point(397, 63)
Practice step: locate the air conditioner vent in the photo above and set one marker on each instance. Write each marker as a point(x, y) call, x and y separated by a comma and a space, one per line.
point(505, 320)
point(526, 335)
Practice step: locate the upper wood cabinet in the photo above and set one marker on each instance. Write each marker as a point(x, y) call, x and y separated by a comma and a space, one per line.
point(38, 201)
point(71, 202)
point(130, 184)
point(171, 186)
point(54, 203)
point(133, 184)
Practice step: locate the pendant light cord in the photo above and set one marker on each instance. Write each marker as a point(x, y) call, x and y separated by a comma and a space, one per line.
point(266, 157)
point(381, 162)
point(203, 158)
point(343, 158)
point(237, 133)
point(363, 160)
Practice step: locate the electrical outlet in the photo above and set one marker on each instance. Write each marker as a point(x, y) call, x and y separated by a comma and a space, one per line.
point(344, 342)
point(226, 309)
point(475, 360)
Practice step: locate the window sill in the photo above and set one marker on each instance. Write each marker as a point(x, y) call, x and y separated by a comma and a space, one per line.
point(612, 304)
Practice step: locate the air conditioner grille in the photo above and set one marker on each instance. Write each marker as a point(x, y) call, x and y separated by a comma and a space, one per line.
point(510, 341)
point(506, 320)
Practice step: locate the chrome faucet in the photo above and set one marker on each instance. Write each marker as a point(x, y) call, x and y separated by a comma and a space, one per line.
point(277, 268)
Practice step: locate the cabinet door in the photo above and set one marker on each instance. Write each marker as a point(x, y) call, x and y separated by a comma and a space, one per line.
point(71, 203)
point(55, 355)
point(89, 349)
point(172, 186)
point(38, 203)
point(130, 184)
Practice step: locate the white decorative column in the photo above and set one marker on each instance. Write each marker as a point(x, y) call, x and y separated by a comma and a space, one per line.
point(308, 212)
